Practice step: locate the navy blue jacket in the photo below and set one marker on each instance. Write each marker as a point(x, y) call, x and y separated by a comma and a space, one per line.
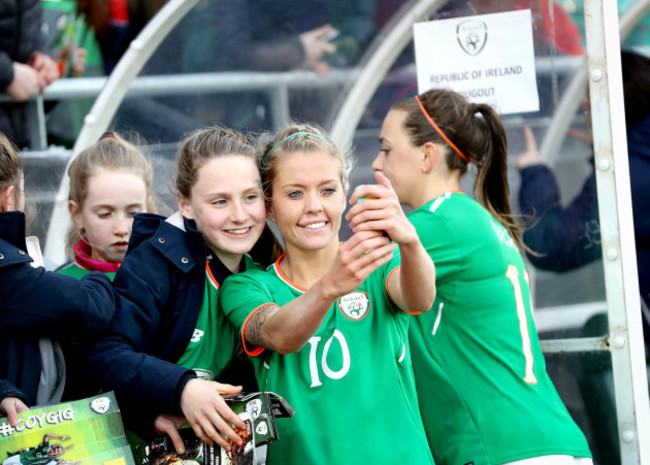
point(36, 303)
point(570, 237)
point(159, 287)
point(565, 237)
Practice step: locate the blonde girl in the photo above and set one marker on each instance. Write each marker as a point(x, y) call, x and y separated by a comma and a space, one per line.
point(110, 182)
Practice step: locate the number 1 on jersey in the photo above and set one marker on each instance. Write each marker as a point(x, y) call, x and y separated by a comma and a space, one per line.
point(513, 275)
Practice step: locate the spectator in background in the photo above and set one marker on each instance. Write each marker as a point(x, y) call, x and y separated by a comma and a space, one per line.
point(279, 38)
point(110, 20)
point(564, 236)
point(24, 65)
point(243, 34)
point(225, 36)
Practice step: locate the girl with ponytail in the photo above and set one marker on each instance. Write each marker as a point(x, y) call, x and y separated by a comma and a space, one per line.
point(483, 390)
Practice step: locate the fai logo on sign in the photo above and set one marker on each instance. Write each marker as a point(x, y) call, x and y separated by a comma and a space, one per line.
point(100, 405)
point(472, 36)
point(355, 306)
point(262, 429)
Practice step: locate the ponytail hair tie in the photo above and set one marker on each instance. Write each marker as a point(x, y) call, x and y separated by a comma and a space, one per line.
point(439, 131)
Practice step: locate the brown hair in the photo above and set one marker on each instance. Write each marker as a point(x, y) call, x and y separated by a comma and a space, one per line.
point(11, 168)
point(110, 152)
point(477, 131)
point(302, 138)
point(203, 145)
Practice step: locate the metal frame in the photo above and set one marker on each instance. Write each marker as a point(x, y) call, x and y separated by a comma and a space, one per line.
point(36, 118)
point(617, 230)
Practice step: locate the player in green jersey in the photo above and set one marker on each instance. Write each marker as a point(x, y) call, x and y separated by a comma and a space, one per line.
point(327, 324)
point(484, 393)
point(45, 453)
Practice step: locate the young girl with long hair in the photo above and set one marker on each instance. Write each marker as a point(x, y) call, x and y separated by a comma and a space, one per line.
point(326, 325)
point(110, 182)
point(170, 340)
point(484, 393)
point(39, 307)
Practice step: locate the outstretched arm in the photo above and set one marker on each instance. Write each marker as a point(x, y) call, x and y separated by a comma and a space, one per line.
point(412, 287)
point(287, 329)
point(60, 304)
point(563, 237)
point(71, 446)
point(47, 437)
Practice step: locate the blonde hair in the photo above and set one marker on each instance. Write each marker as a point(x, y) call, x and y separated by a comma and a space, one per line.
point(11, 168)
point(110, 152)
point(302, 138)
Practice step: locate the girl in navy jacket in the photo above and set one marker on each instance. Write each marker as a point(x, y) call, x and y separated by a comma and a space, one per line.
point(169, 341)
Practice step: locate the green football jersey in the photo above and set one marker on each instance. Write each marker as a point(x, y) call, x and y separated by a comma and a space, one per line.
point(214, 341)
point(484, 393)
point(78, 272)
point(352, 384)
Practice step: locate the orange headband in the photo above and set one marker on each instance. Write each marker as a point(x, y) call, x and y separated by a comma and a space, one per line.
point(439, 131)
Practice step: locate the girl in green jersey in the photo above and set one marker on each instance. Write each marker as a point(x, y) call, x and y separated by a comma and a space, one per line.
point(326, 324)
point(484, 393)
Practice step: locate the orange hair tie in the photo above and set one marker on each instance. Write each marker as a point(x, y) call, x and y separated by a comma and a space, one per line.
point(439, 131)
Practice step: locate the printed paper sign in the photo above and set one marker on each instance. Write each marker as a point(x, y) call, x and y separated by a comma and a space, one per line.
point(84, 432)
point(487, 58)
